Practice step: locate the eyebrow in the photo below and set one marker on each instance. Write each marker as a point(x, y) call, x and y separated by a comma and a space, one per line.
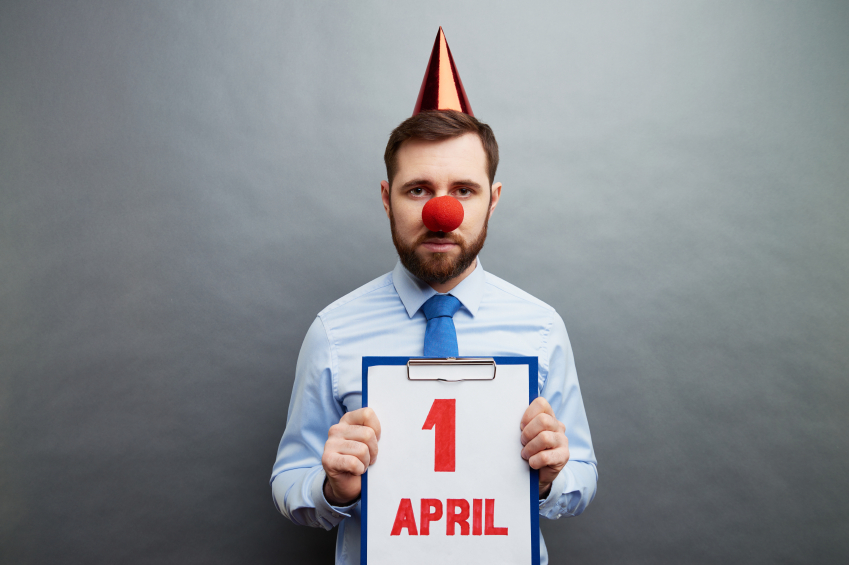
point(426, 182)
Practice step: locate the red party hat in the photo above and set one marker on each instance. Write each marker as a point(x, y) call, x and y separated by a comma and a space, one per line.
point(442, 88)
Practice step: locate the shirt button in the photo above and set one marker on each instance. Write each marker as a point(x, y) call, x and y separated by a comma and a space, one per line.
point(335, 515)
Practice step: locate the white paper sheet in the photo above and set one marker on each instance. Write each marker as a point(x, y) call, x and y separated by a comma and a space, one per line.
point(488, 465)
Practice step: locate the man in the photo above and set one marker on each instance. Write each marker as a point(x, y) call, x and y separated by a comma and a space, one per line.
point(330, 440)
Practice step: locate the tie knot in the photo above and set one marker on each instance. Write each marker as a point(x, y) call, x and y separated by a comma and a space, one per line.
point(440, 306)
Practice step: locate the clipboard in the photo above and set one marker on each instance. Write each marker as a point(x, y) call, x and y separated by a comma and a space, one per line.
point(426, 499)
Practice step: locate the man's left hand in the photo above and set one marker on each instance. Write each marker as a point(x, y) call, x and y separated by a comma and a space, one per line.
point(546, 446)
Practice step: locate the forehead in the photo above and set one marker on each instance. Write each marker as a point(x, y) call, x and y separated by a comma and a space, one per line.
point(441, 161)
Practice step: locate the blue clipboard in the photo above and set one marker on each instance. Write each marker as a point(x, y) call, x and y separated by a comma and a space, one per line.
point(533, 482)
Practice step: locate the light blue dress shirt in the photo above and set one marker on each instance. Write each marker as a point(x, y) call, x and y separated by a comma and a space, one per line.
point(383, 318)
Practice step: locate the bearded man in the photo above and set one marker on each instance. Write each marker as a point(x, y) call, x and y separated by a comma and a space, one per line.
point(330, 440)
point(438, 301)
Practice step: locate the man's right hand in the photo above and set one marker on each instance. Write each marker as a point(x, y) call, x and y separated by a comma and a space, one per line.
point(351, 447)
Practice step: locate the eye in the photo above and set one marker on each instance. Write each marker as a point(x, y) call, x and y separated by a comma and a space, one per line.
point(418, 191)
point(463, 191)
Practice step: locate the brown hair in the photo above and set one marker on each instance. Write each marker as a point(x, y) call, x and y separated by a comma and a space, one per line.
point(437, 125)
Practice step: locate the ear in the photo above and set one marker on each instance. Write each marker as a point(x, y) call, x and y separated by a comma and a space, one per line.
point(384, 195)
point(496, 194)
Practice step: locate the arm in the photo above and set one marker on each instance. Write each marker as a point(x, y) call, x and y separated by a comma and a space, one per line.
point(297, 481)
point(555, 433)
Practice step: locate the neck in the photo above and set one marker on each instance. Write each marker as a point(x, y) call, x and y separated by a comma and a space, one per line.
point(442, 288)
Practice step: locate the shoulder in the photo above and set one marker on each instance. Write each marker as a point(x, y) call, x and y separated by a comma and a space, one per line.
point(500, 290)
point(379, 289)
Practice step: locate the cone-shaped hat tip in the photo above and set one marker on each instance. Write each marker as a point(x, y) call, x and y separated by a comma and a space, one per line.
point(442, 88)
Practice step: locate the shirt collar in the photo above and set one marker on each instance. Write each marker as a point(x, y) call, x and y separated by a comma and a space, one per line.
point(414, 292)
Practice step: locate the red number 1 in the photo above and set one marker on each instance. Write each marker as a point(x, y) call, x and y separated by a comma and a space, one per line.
point(443, 415)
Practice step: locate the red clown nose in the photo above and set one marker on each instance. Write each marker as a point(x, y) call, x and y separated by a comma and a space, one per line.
point(443, 213)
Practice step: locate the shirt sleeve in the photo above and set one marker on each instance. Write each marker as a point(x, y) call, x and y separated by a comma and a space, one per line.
point(575, 486)
point(297, 479)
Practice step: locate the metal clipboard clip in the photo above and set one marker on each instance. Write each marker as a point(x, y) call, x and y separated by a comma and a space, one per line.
point(452, 369)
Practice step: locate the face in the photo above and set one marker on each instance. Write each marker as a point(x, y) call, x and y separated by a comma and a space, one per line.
point(427, 169)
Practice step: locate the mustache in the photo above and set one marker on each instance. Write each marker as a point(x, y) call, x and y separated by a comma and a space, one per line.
point(453, 237)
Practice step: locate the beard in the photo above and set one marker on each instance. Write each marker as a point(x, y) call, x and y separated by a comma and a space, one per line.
point(438, 268)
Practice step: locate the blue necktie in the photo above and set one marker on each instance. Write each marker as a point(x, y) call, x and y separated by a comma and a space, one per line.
point(440, 335)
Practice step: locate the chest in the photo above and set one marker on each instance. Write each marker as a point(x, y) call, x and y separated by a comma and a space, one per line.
point(404, 337)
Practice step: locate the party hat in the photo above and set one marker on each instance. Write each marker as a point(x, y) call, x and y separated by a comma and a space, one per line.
point(442, 88)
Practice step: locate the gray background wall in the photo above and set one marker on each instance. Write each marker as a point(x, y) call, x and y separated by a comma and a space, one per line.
point(183, 186)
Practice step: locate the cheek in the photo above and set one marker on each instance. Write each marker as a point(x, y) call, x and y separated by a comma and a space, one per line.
point(408, 217)
point(473, 217)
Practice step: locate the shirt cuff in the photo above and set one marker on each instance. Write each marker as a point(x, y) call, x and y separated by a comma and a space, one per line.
point(552, 507)
point(327, 514)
